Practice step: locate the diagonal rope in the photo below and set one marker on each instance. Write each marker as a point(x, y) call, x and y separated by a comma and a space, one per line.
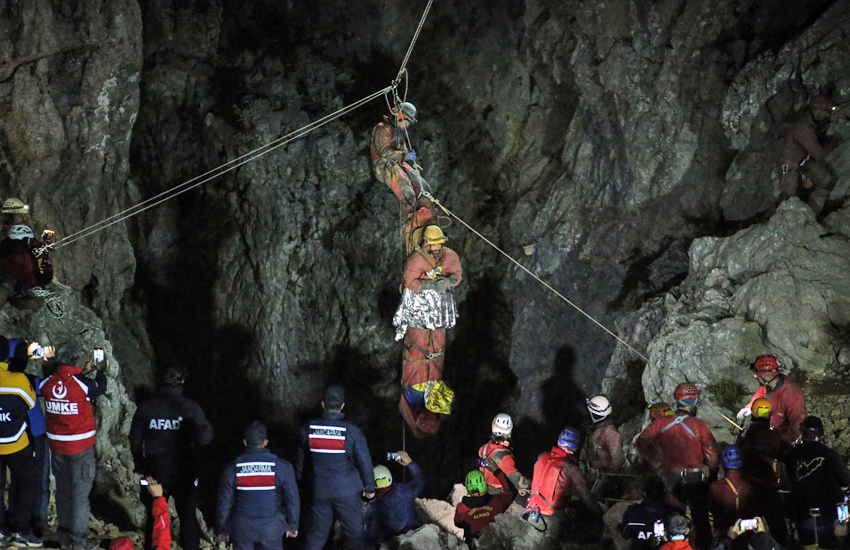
point(539, 280)
point(413, 42)
point(215, 172)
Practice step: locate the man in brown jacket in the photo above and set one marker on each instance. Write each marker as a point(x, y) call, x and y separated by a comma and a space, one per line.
point(803, 157)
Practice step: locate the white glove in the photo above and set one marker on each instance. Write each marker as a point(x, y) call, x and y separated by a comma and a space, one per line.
point(746, 411)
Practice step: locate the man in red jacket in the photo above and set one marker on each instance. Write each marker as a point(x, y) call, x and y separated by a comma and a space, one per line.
point(479, 509)
point(787, 401)
point(557, 479)
point(678, 448)
point(498, 451)
point(20, 271)
point(71, 432)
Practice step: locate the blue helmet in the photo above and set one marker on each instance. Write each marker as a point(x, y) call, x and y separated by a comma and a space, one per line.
point(569, 439)
point(731, 456)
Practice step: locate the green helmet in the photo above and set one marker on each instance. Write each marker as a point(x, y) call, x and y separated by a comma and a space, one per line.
point(475, 482)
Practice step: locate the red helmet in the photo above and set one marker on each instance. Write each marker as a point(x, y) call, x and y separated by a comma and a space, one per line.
point(686, 391)
point(766, 364)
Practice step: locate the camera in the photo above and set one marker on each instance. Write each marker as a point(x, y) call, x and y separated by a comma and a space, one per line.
point(749, 524)
point(482, 463)
point(393, 456)
point(38, 352)
point(658, 529)
point(98, 355)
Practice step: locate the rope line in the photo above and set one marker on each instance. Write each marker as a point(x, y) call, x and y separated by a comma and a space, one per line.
point(215, 172)
point(415, 38)
point(539, 280)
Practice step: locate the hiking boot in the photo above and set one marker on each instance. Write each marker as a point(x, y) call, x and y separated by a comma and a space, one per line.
point(27, 541)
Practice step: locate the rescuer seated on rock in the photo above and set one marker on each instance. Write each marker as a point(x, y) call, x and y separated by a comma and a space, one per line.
point(71, 429)
point(257, 497)
point(478, 510)
point(640, 520)
point(679, 448)
point(332, 463)
point(431, 272)
point(817, 476)
point(20, 270)
point(393, 510)
point(161, 523)
point(498, 450)
point(676, 530)
point(787, 400)
point(165, 434)
point(557, 480)
point(803, 157)
point(20, 353)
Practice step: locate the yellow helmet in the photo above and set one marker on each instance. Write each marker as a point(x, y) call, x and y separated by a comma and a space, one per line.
point(15, 206)
point(761, 408)
point(433, 235)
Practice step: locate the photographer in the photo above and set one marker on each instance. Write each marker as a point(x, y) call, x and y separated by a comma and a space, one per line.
point(393, 510)
point(68, 395)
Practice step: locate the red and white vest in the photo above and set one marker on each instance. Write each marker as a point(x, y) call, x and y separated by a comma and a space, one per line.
point(70, 422)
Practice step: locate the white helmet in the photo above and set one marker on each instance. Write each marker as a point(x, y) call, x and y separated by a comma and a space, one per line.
point(502, 425)
point(19, 232)
point(383, 477)
point(599, 407)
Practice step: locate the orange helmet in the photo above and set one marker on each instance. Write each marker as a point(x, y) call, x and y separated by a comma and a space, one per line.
point(686, 391)
point(767, 364)
point(761, 408)
point(658, 410)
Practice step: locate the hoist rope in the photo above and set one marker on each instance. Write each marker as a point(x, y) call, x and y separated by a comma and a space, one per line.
point(215, 172)
point(539, 280)
point(413, 42)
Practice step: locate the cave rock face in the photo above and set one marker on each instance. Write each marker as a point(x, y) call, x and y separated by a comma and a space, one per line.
point(782, 287)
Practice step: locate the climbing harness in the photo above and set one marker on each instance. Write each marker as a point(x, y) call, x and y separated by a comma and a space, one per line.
point(734, 490)
point(680, 420)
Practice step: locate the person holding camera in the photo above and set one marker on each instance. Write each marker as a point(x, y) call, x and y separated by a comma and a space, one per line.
point(393, 510)
point(257, 496)
point(68, 395)
point(817, 475)
point(163, 435)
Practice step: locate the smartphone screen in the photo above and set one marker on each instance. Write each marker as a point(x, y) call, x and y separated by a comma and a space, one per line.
point(749, 524)
point(98, 355)
point(658, 529)
point(143, 482)
point(843, 512)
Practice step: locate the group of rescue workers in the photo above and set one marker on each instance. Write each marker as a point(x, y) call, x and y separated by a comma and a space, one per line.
point(778, 469)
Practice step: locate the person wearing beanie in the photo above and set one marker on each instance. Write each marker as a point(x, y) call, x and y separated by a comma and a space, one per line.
point(333, 462)
point(258, 500)
point(71, 429)
point(164, 434)
point(676, 529)
point(17, 397)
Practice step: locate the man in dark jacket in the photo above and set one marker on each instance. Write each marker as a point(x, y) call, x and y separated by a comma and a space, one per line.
point(393, 510)
point(639, 521)
point(333, 461)
point(165, 431)
point(257, 497)
point(817, 475)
